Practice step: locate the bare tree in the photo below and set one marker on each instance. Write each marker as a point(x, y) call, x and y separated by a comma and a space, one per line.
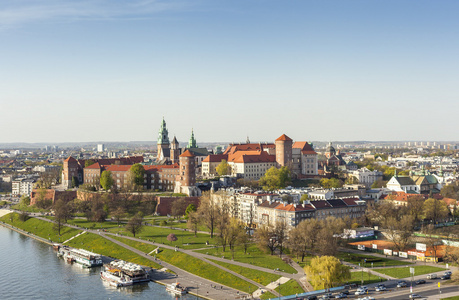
point(265, 238)
point(399, 231)
point(134, 225)
point(209, 212)
point(62, 213)
point(193, 222)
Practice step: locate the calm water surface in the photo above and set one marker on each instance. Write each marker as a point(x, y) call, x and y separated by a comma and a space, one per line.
point(30, 269)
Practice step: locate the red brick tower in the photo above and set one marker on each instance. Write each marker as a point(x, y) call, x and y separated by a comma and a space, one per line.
point(69, 170)
point(284, 150)
point(186, 180)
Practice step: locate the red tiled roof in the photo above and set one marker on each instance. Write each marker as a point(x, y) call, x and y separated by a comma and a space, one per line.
point(291, 207)
point(215, 158)
point(118, 168)
point(247, 147)
point(305, 147)
point(93, 166)
point(187, 153)
point(70, 159)
point(283, 138)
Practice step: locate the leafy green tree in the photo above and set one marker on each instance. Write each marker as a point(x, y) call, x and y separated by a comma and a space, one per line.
point(137, 171)
point(88, 162)
point(379, 184)
point(331, 183)
point(304, 197)
point(190, 208)
point(106, 180)
point(275, 179)
point(435, 210)
point(223, 168)
point(325, 272)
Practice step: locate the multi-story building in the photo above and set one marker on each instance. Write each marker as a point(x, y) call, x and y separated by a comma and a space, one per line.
point(251, 161)
point(22, 186)
point(367, 177)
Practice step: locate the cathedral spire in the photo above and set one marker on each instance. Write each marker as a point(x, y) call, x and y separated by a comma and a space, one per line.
point(192, 142)
point(163, 137)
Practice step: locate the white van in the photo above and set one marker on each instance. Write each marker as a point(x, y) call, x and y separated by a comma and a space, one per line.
point(431, 276)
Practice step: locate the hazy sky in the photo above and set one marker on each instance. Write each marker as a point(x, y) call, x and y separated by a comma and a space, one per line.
point(109, 70)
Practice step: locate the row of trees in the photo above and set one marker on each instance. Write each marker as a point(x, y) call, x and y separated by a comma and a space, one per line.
point(399, 222)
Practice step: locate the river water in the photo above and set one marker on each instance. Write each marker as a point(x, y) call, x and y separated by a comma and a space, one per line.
point(30, 269)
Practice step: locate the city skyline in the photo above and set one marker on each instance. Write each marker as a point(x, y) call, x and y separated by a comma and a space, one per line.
point(87, 71)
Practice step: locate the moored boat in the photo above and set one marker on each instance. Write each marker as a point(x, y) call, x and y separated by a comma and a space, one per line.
point(176, 289)
point(115, 280)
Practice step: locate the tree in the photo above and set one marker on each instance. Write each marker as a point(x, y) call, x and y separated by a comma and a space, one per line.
point(379, 184)
point(75, 182)
point(171, 237)
point(304, 237)
point(331, 183)
point(352, 180)
point(265, 238)
point(137, 172)
point(450, 191)
point(275, 179)
point(415, 207)
point(223, 168)
point(178, 207)
point(325, 272)
point(399, 230)
point(304, 198)
point(88, 162)
point(190, 208)
point(118, 214)
point(106, 180)
point(193, 222)
point(432, 240)
point(280, 232)
point(208, 212)
point(42, 202)
point(62, 213)
point(134, 225)
point(435, 210)
point(245, 240)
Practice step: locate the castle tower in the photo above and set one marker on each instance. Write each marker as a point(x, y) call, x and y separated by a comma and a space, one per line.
point(186, 180)
point(175, 151)
point(69, 170)
point(163, 142)
point(284, 150)
point(192, 142)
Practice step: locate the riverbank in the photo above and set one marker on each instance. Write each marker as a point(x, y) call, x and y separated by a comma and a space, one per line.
point(97, 242)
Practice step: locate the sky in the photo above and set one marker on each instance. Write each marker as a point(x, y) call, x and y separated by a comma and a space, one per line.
point(110, 70)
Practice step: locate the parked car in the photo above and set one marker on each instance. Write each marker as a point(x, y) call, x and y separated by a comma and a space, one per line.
point(420, 281)
point(432, 276)
point(413, 296)
point(381, 288)
point(345, 292)
point(340, 296)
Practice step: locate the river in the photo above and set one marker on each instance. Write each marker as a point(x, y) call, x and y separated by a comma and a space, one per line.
point(30, 269)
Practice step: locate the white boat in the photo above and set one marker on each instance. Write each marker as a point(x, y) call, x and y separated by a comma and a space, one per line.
point(115, 280)
point(176, 289)
point(81, 256)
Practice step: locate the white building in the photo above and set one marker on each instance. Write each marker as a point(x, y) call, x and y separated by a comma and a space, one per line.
point(367, 177)
point(22, 186)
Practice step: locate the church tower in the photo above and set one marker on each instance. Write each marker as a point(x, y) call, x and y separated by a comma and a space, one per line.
point(175, 151)
point(192, 142)
point(163, 142)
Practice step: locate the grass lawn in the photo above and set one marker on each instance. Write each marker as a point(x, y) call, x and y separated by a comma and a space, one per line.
point(93, 225)
point(356, 277)
point(306, 262)
point(254, 256)
point(186, 239)
point(194, 266)
point(405, 272)
point(98, 244)
point(41, 228)
point(255, 275)
point(28, 208)
point(451, 298)
point(291, 287)
point(267, 295)
point(377, 261)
